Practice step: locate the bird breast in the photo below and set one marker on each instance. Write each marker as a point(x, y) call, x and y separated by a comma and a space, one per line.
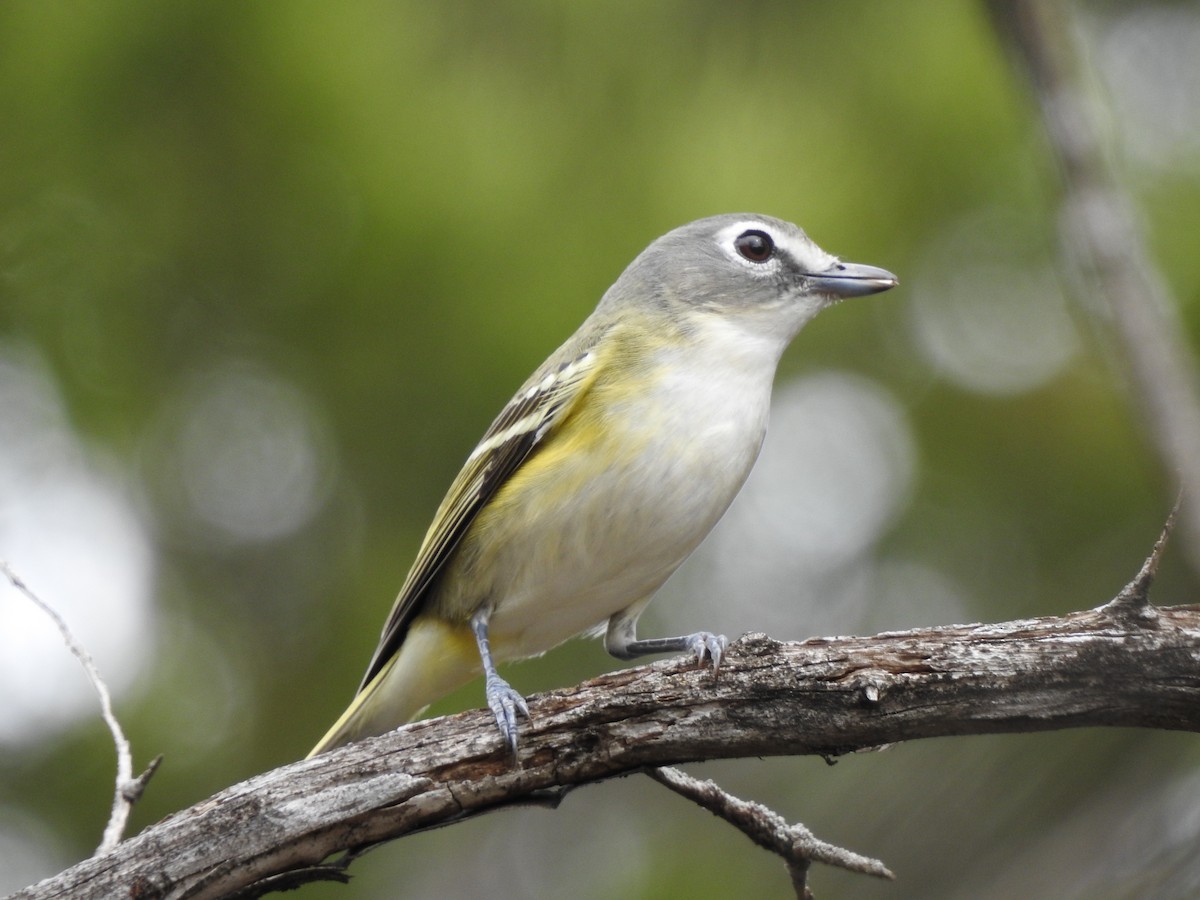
point(621, 498)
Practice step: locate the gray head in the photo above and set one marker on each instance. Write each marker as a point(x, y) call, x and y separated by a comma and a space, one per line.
point(754, 268)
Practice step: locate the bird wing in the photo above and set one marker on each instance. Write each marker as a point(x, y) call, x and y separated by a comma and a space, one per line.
point(541, 404)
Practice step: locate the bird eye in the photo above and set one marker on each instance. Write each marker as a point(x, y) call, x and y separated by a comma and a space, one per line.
point(755, 246)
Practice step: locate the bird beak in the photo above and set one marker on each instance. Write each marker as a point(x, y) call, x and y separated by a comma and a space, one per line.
point(844, 279)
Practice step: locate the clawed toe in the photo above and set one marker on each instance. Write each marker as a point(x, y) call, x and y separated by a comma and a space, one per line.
point(708, 646)
point(506, 705)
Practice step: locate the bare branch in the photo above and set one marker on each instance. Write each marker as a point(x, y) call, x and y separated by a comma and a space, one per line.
point(824, 696)
point(794, 843)
point(128, 789)
point(1102, 237)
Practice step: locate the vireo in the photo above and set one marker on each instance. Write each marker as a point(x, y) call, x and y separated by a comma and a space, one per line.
point(606, 470)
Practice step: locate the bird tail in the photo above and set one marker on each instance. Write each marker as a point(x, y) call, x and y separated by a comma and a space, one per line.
point(355, 722)
point(435, 658)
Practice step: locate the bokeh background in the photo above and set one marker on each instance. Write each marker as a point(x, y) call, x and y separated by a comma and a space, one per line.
point(267, 270)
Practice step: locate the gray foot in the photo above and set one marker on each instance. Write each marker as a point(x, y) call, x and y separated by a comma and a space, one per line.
point(506, 705)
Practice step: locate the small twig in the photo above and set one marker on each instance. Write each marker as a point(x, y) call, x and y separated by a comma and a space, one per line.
point(128, 789)
point(1135, 596)
point(794, 843)
point(290, 881)
point(133, 790)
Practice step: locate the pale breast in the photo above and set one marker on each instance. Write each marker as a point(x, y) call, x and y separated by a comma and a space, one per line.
point(622, 507)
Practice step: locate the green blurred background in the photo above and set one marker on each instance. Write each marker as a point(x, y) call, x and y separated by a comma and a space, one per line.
point(267, 270)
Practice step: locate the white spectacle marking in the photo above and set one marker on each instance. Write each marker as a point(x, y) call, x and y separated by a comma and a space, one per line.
point(807, 255)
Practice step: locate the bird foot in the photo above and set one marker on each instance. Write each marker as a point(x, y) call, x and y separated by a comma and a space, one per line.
point(506, 705)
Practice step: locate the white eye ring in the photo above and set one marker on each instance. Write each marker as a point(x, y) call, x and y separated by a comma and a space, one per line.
point(754, 245)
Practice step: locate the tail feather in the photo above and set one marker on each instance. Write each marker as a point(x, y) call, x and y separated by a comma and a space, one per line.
point(354, 722)
point(435, 658)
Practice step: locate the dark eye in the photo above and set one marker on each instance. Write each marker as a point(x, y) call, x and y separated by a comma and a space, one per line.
point(755, 246)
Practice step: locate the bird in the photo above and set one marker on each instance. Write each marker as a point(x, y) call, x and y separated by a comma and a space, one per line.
point(604, 472)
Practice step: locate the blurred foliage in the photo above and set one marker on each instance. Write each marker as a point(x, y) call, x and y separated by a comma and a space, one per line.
point(354, 229)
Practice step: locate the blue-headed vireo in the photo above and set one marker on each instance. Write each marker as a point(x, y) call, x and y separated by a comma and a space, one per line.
point(606, 470)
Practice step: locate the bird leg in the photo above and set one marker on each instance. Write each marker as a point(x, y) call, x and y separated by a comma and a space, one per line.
point(620, 640)
point(505, 703)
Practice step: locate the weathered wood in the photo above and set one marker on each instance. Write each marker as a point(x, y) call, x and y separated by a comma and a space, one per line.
point(1119, 665)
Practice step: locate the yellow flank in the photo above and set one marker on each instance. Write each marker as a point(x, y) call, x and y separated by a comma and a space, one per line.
point(557, 509)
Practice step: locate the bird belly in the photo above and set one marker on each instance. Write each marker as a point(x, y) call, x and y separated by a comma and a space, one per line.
point(614, 506)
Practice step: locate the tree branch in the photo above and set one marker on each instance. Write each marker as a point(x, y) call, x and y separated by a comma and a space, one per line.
point(824, 696)
point(1104, 249)
point(128, 789)
point(795, 844)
